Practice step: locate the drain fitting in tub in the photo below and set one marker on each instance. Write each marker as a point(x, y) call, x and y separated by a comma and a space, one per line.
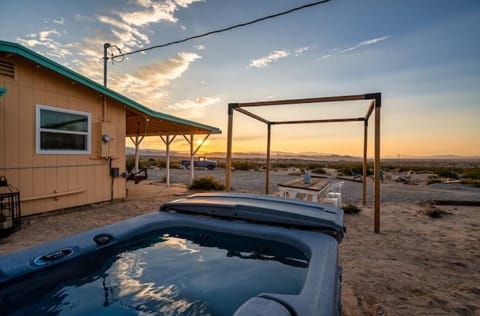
point(103, 239)
point(53, 256)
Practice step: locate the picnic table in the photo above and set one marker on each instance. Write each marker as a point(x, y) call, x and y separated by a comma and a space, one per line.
point(306, 191)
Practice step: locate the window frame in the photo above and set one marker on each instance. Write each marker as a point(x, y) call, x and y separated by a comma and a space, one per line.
point(38, 130)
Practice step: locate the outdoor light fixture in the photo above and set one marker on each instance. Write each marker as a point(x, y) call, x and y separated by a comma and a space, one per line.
point(106, 138)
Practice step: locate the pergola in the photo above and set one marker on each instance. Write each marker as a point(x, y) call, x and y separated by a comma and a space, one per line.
point(374, 106)
point(140, 124)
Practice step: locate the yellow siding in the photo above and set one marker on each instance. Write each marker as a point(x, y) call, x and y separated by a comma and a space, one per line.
point(38, 176)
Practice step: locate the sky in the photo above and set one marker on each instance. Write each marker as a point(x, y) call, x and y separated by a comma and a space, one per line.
point(423, 56)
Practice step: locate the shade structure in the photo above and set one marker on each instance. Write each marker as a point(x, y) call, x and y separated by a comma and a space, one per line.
point(375, 105)
point(143, 122)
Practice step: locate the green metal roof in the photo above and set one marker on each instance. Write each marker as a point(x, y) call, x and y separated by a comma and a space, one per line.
point(2, 91)
point(20, 50)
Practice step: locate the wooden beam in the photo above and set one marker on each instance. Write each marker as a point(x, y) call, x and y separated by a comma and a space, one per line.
point(192, 163)
point(228, 167)
point(53, 195)
point(168, 141)
point(370, 110)
point(267, 174)
point(201, 144)
point(137, 141)
point(377, 167)
point(307, 100)
point(356, 119)
point(364, 169)
point(254, 116)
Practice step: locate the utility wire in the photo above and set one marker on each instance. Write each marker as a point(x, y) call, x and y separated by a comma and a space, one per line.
point(224, 29)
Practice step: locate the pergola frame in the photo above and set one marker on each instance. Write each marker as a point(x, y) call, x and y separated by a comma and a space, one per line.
point(374, 106)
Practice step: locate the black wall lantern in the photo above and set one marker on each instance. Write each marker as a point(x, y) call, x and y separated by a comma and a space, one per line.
point(10, 216)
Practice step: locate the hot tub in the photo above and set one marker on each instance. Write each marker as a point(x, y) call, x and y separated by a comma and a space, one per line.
point(206, 254)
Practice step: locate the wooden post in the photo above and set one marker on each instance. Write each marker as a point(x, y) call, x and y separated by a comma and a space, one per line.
point(267, 177)
point(137, 145)
point(167, 142)
point(167, 149)
point(377, 163)
point(192, 165)
point(364, 173)
point(228, 166)
point(136, 141)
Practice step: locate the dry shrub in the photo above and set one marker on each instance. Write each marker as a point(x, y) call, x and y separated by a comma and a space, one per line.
point(351, 209)
point(207, 183)
point(434, 212)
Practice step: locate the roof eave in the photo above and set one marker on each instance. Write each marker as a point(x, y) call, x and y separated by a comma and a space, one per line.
point(56, 67)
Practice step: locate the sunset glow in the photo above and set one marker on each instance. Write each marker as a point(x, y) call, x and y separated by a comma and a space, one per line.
point(421, 55)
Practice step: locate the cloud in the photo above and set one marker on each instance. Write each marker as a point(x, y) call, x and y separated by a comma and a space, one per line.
point(299, 51)
point(338, 51)
point(196, 103)
point(276, 55)
point(264, 61)
point(59, 21)
point(43, 39)
point(146, 82)
point(154, 12)
point(129, 36)
point(199, 47)
point(129, 28)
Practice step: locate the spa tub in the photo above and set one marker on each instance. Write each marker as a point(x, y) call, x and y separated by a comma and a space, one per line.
point(206, 254)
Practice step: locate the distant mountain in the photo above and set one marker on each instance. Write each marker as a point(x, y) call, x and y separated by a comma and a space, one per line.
point(435, 157)
point(302, 155)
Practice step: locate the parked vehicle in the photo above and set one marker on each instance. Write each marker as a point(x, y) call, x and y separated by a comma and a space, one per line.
point(201, 162)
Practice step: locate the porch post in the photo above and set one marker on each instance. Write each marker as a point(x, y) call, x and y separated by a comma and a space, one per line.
point(267, 179)
point(228, 167)
point(364, 170)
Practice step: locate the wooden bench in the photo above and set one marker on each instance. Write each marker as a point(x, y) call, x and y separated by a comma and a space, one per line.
point(138, 176)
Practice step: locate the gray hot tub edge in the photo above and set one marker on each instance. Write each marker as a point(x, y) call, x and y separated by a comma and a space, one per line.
point(320, 294)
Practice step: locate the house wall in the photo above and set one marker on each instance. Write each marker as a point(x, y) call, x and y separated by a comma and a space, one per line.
point(46, 181)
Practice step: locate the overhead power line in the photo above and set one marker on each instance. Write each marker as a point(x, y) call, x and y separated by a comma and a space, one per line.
point(308, 5)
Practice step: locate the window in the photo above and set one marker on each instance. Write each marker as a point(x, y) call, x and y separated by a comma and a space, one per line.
point(61, 131)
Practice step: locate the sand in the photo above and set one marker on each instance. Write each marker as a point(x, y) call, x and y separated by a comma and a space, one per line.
point(417, 265)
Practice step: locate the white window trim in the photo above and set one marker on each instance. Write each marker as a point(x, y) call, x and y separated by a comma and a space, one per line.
point(62, 152)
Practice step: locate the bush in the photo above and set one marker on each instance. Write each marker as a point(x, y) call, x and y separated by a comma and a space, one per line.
point(245, 165)
point(352, 169)
point(471, 182)
point(473, 173)
point(351, 209)
point(447, 174)
point(207, 183)
point(433, 180)
point(319, 171)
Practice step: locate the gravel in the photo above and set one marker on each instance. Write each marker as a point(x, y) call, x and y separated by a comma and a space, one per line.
point(391, 191)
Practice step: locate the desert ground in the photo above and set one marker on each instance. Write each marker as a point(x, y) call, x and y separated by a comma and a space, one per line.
point(418, 265)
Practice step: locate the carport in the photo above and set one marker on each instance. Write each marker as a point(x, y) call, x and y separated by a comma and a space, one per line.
point(143, 122)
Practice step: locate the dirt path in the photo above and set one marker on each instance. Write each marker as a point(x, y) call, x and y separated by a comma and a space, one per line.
point(418, 265)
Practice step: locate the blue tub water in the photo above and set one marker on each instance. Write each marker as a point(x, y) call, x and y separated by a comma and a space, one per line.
point(207, 254)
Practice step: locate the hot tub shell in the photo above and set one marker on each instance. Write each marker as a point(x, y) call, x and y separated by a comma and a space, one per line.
point(314, 229)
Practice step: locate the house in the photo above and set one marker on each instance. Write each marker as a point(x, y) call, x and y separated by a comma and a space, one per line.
point(63, 136)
